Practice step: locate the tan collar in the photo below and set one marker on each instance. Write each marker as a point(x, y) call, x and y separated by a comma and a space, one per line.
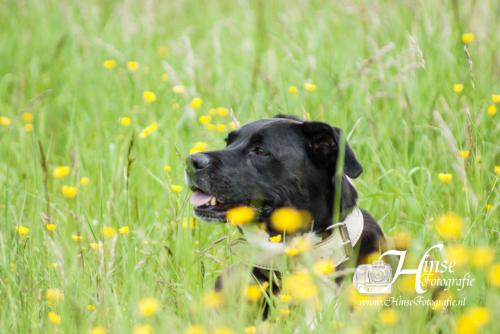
point(258, 251)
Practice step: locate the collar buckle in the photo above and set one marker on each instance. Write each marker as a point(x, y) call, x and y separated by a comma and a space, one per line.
point(344, 235)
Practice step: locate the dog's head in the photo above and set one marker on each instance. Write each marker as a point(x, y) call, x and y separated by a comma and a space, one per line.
point(273, 163)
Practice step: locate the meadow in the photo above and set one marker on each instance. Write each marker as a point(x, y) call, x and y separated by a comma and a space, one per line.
point(102, 101)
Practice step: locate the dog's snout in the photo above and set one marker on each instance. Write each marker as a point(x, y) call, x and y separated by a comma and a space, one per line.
point(199, 161)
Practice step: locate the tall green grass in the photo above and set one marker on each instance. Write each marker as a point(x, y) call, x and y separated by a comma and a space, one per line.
point(384, 72)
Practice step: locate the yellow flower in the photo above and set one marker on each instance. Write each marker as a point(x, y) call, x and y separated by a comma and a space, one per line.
point(212, 112)
point(253, 293)
point(132, 66)
point(61, 171)
point(195, 329)
point(402, 240)
point(488, 206)
point(223, 330)
point(291, 251)
point(220, 127)
point(5, 121)
point(143, 329)
point(50, 227)
point(464, 154)
point(449, 226)
point(240, 215)
point(309, 87)
point(276, 238)
point(300, 286)
point(109, 64)
point(284, 298)
point(467, 38)
point(28, 127)
point(76, 237)
point(372, 257)
point(98, 330)
point(445, 177)
point(178, 89)
point(482, 257)
point(54, 318)
point(491, 110)
point(196, 103)
point(148, 130)
point(27, 116)
point(69, 191)
point(480, 314)
point(232, 125)
point(324, 267)
point(149, 306)
point(388, 316)
point(250, 330)
point(125, 230)
point(125, 121)
point(23, 230)
point(223, 111)
point(90, 307)
point(167, 168)
point(458, 88)
point(497, 170)
point(212, 299)
point(284, 312)
point(494, 275)
point(189, 223)
point(204, 119)
point(149, 96)
point(458, 254)
point(495, 98)
point(108, 231)
point(211, 127)
point(164, 77)
point(472, 320)
point(199, 146)
point(84, 181)
point(293, 90)
point(54, 295)
point(176, 188)
point(287, 220)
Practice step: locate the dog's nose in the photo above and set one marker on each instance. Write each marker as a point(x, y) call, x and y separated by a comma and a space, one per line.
point(199, 161)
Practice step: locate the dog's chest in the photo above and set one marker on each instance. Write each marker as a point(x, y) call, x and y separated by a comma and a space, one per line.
point(259, 249)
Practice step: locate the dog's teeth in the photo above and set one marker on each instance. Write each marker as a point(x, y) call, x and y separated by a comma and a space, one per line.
point(213, 201)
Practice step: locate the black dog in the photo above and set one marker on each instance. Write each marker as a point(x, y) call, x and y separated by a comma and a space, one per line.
point(280, 162)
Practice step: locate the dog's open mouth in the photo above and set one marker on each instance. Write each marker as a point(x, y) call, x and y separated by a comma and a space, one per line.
point(208, 207)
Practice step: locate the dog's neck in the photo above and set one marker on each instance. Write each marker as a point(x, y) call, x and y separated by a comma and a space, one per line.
point(325, 214)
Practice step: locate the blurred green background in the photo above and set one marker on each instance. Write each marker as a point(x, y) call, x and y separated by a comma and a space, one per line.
point(382, 70)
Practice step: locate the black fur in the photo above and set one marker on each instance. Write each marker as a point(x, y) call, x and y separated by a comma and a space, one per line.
point(279, 162)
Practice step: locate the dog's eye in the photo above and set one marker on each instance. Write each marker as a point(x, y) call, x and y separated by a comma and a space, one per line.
point(260, 151)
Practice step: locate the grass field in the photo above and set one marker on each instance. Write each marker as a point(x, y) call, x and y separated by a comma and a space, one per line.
point(112, 90)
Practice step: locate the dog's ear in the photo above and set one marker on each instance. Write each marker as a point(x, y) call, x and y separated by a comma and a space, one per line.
point(322, 144)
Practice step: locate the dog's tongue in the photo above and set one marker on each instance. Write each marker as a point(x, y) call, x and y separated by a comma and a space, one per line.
point(200, 198)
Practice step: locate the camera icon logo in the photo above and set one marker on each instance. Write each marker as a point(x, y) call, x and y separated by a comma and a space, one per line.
point(373, 279)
